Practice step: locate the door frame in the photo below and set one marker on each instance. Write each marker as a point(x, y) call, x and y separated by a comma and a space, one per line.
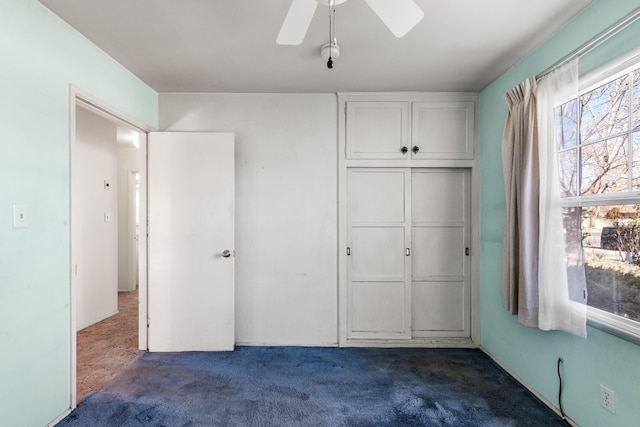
point(96, 105)
point(132, 232)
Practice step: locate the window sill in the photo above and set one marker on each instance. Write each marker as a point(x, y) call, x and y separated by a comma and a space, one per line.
point(625, 329)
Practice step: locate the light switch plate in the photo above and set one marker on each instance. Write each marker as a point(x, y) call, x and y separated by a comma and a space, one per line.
point(20, 216)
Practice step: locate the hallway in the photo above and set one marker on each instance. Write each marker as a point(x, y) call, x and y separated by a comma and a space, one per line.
point(108, 347)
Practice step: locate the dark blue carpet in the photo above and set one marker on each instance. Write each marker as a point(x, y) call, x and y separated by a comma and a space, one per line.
point(300, 386)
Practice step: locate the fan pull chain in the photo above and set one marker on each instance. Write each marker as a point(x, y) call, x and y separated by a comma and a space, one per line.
point(332, 17)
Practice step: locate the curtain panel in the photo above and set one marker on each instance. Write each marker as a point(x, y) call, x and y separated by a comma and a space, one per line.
point(541, 260)
point(561, 262)
point(521, 178)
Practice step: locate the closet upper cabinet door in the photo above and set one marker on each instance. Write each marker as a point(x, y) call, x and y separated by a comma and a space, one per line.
point(377, 130)
point(443, 130)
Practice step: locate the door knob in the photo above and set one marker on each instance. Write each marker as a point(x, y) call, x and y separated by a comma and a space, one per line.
point(404, 150)
point(226, 254)
point(415, 149)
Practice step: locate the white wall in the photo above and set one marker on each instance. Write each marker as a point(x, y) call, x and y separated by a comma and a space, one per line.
point(127, 163)
point(286, 208)
point(95, 241)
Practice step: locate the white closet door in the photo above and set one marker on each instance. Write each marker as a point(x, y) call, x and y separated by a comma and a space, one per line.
point(379, 266)
point(441, 294)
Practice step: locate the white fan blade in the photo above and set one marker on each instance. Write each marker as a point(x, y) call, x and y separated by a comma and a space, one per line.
point(297, 21)
point(399, 16)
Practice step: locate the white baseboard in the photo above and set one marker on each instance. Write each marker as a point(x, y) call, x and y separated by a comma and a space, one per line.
point(59, 418)
point(528, 387)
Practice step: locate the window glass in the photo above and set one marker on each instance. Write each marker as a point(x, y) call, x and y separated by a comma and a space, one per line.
point(635, 180)
point(574, 235)
point(598, 151)
point(566, 119)
point(611, 241)
point(568, 165)
point(605, 111)
point(605, 167)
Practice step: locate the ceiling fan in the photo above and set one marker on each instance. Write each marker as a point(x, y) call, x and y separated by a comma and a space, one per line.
point(399, 16)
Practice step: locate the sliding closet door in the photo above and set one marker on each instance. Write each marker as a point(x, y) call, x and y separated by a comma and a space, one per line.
point(378, 254)
point(440, 218)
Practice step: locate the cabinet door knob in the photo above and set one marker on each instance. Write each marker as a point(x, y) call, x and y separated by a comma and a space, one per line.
point(415, 149)
point(404, 150)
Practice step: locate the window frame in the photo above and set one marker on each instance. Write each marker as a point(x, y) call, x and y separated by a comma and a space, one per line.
point(625, 65)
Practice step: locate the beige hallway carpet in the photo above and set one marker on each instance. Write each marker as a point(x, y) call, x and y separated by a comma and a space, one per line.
point(108, 347)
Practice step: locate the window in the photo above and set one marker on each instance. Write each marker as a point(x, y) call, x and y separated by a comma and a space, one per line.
point(598, 149)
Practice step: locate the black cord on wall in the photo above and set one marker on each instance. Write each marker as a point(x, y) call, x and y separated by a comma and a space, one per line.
point(560, 360)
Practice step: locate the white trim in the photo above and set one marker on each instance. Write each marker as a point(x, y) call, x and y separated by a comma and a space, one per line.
point(609, 71)
point(72, 285)
point(88, 101)
point(59, 418)
point(528, 387)
point(617, 323)
point(110, 112)
point(603, 199)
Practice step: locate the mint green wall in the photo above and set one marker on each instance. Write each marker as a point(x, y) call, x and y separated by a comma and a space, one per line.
point(529, 353)
point(40, 56)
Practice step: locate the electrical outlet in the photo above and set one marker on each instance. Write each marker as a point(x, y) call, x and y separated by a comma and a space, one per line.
point(607, 399)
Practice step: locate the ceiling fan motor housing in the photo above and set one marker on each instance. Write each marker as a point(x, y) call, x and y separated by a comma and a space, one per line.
point(330, 50)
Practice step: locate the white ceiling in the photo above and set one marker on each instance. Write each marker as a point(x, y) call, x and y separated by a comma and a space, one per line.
point(229, 46)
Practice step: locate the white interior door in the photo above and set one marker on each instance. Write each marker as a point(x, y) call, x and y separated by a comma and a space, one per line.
point(191, 241)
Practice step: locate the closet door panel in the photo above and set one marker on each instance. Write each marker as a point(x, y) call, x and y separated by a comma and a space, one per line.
point(377, 253)
point(438, 252)
point(443, 130)
point(439, 196)
point(377, 130)
point(377, 196)
point(378, 308)
point(438, 307)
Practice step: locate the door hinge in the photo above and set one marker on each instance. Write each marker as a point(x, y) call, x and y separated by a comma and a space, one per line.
point(466, 251)
point(148, 322)
point(407, 252)
point(348, 251)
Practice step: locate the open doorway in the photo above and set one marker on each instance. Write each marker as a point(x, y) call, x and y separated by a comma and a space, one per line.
point(108, 198)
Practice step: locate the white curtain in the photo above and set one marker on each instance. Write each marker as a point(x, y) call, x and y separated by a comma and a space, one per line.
point(561, 266)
